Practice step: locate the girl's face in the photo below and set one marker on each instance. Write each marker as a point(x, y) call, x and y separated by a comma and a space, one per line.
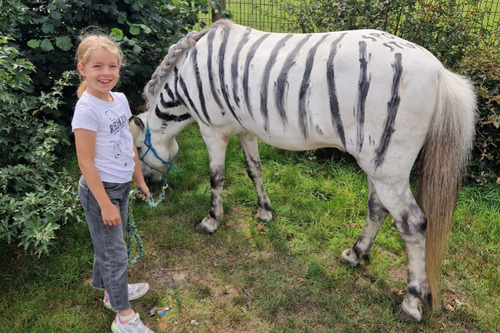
point(102, 72)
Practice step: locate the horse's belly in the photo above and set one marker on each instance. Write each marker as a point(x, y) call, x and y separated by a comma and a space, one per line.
point(292, 139)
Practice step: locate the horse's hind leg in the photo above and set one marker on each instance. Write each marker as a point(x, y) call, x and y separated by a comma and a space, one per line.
point(254, 170)
point(411, 223)
point(376, 216)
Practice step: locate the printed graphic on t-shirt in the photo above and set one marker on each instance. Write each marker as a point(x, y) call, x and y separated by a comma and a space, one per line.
point(118, 128)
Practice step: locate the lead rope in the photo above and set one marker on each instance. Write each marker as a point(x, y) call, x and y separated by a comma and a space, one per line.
point(131, 228)
point(132, 232)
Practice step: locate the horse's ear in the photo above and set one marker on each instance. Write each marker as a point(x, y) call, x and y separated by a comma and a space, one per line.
point(138, 122)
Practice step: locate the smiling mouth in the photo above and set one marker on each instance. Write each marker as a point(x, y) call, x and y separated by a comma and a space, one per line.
point(105, 81)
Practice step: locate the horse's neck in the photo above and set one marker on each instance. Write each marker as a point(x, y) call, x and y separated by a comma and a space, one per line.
point(169, 132)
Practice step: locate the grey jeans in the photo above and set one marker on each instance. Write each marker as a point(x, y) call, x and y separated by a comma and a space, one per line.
point(110, 250)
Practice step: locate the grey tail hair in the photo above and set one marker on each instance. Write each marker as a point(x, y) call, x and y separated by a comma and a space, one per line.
point(442, 165)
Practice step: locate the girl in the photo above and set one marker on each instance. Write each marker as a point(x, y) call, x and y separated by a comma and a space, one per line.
point(108, 161)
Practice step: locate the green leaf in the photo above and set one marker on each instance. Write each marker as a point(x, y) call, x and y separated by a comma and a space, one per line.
point(135, 29)
point(116, 34)
point(137, 6)
point(64, 43)
point(48, 28)
point(137, 49)
point(56, 16)
point(60, 3)
point(47, 45)
point(33, 43)
point(145, 28)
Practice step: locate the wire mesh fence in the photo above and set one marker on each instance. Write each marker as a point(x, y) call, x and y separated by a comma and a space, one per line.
point(258, 14)
point(273, 16)
point(492, 21)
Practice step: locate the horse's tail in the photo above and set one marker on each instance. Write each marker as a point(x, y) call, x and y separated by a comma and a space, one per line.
point(442, 164)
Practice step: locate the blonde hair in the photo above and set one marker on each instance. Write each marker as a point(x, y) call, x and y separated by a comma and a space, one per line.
point(90, 43)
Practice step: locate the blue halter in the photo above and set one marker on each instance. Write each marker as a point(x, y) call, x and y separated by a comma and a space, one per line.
point(147, 143)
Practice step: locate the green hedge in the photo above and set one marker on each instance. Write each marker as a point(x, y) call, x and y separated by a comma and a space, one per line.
point(482, 65)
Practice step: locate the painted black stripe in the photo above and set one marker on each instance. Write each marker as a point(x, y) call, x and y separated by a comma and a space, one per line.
point(176, 84)
point(363, 87)
point(211, 75)
point(392, 110)
point(282, 80)
point(332, 93)
point(396, 44)
point(246, 71)
point(265, 80)
point(191, 103)
point(201, 96)
point(234, 65)
point(222, 73)
point(170, 117)
point(370, 37)
point(169, 91)
point(170, 104)
point(390, 47)
point(304, 87)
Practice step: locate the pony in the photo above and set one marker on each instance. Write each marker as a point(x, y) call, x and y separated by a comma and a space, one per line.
point(384, 100)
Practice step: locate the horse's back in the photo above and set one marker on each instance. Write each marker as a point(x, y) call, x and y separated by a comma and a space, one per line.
point(353, 90)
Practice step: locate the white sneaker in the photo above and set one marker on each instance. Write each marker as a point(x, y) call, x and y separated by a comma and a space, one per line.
point(135, 291)
point(134, 325)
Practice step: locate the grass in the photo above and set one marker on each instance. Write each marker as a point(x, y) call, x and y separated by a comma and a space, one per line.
point(282, 276)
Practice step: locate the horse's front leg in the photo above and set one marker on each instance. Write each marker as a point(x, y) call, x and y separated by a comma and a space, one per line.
point(250, 150)
point(216, 146)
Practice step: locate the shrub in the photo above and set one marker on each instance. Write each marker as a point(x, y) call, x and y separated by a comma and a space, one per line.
point(482, 65)
point(36, 198)
point(48, 31)
point(445, 28)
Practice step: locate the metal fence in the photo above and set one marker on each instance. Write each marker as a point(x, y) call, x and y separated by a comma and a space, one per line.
point(269, 15)
point(492, 15)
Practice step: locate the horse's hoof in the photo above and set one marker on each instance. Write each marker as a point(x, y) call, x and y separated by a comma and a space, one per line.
point(348, 257)
point(263, 215)
point(202, 230)
point(207, 226)
point(403, 316)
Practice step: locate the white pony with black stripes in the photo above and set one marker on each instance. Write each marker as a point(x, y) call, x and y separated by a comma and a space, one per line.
point(380, 98)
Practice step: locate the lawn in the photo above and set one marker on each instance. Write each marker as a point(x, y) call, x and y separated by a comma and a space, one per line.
point(282, 276)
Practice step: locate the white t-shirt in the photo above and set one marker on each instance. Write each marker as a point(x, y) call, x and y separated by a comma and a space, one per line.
point(114, 152)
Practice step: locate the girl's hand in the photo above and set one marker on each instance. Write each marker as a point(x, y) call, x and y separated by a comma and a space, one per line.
point(143, 187)
point(111, 215)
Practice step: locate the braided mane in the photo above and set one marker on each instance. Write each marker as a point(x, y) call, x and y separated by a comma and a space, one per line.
point(175, 52)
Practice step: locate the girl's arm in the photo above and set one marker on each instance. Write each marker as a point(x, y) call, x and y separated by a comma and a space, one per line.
point(85, 149)
point(138, 176)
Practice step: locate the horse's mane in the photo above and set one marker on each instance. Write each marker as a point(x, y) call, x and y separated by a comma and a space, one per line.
point(175, 52)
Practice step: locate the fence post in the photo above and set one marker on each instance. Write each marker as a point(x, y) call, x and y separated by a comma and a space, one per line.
point(217, 16)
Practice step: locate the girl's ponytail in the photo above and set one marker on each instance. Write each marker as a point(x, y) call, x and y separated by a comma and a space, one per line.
point(81, 88)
